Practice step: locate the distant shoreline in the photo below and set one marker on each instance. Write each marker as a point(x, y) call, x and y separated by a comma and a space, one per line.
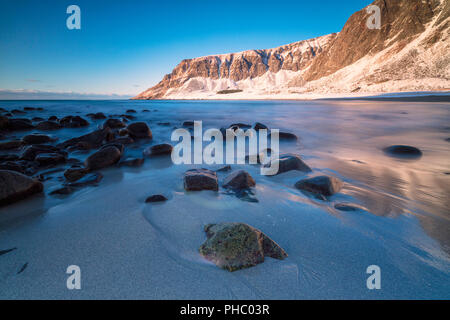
point(425, 96)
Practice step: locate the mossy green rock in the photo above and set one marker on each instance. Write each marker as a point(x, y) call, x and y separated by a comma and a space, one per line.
point(234, 246)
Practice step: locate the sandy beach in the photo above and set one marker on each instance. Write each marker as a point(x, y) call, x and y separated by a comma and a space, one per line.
point(127, 248)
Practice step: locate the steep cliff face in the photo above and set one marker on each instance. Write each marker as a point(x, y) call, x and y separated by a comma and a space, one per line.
point(410, 52)
point(240, 66)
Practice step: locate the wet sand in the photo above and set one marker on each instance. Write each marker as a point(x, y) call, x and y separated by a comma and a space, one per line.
point(129, 249)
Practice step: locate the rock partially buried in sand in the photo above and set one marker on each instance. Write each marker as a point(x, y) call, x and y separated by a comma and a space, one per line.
point(97, 116)
point(92, 179)
point(224, 169)
point(48, 125)
point(288, 162)
point(21, 166)
point(158, 150)
point(344, 206)
point(139, 130)
point(4, 122)
point(119, 146)
point(31, 152)
point(188, 123)
point(234, 246)
point(9, 145)
point(90, 140)
point(156, 198)
point(62, 191)
point(19, 124)
point(286, 136)
point(36, 139)
point(242, 126)
point(73, 122)
point(260, 126)
point(240, 179)
point(47, 159)
point(15, 186)
point(74, 174)
point(200, 179)
point(103, 158)
point(401, 151)
point(321, 185)
point(114, 124)
point(132, 162)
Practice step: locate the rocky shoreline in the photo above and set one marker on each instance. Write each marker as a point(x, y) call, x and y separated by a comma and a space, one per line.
point(27, 163)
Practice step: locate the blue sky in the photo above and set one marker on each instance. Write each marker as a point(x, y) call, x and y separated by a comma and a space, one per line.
point(124, 47)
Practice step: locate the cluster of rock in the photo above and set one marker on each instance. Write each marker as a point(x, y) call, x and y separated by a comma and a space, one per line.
point(231, 246)
point(20, 168)
point(235, 246)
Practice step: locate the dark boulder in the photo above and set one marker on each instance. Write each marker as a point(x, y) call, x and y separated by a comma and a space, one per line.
point(139, 130)
point(224, 169)
point(97, 116)
point(133, 162)
point(119, 146)
point(15, 186)
point(48, 125)
point(200, 179)
point(259, 126)
point(8, 157)
point(73, 122)
point(123, 141)
point(31, 152)
point(23, 166)
point(401, 151)
point(320, 185)
point(48, 159)
point(128, 117)
point(75, 173)
point(19, 124)
point(158, 150)
point(91, 140)
point(9, 145)
point(243, 126)
point(114, 124)
point(188, 123)
point(156, 198)
point(4, 121)
point(36, 139)
point(103, 158)
point(344, 206)
point(234, 246)
point(240, 179)
point(66, 190)
point(88, 180)
point(287, 136)
point(288, 162)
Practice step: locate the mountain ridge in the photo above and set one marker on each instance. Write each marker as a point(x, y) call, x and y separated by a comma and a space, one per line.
point(409, 53)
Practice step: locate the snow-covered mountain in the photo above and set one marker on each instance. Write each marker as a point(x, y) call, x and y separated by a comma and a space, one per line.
point(410, 52)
